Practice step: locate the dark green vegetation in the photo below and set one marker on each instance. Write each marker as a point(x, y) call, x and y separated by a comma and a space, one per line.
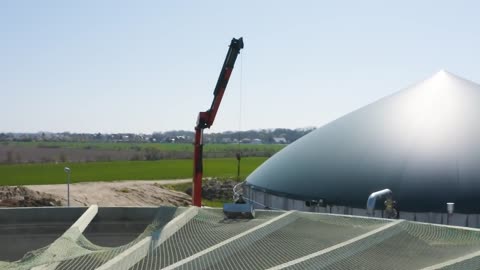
point(61, 152)
point(178, 187)
point(36, 174)
point(206, 202)
point(142, 146)
point(215, 203)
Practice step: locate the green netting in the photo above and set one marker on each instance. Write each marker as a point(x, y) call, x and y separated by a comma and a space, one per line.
point(467, 264)
point(408, 245)
point(207, 229)
point(294, 236)
point(74, 251)
point(274, 239)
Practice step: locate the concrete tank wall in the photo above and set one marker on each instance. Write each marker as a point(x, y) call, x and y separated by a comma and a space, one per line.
point(264, 200)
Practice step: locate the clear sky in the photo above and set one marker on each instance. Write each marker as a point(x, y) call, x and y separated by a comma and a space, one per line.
point(144, 66)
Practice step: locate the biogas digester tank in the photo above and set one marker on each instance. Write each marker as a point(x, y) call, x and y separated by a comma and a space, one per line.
point(423, 143)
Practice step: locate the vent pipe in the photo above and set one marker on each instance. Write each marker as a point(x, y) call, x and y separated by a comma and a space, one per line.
point(372, 199)
point(450, 207)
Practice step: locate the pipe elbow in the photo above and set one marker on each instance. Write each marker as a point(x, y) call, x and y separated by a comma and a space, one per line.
point(372, 199)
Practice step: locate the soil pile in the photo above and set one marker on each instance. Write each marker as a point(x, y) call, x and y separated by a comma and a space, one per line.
point(119, 193)
point(20, 196)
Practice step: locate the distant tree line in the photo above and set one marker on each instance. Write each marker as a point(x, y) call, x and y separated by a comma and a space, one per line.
point(264, 136)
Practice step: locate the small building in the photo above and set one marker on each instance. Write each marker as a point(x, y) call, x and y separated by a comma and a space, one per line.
point(245, 140)
point(279, 140)
point(256, 141)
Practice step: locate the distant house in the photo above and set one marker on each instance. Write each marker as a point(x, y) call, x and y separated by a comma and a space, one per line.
point(280, 140)
point(245, 140)
point(178, 139)
point(226, 140)
point(256, 141)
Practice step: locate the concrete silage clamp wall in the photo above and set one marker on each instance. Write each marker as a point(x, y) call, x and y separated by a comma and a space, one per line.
point(26, 229)
point(32, 228)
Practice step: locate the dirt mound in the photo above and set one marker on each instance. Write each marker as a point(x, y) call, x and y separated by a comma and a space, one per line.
point(20, 196)
point(119, 193)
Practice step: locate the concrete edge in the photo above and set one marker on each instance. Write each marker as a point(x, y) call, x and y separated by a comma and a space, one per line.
point(82, 223)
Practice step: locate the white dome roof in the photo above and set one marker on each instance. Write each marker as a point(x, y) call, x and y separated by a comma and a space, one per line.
point(422, 142)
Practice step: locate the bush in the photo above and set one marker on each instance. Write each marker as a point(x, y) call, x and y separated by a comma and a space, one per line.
point(62, 157)
point(103, 158)
point(136, 157)
point(152, 153)
point(9, 157)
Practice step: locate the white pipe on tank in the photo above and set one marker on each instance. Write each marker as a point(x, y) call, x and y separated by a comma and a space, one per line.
point(372, 199)
point(450, 207)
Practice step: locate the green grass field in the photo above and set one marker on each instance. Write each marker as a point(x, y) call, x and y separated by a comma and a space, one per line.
point(37, 174)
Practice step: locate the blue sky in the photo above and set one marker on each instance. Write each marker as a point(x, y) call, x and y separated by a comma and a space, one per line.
point(144, 66)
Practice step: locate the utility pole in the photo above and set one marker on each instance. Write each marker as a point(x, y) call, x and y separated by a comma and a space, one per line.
point(239, 157)
point(68, 171)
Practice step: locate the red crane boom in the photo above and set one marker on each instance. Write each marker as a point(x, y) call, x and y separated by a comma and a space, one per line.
point(205, 119)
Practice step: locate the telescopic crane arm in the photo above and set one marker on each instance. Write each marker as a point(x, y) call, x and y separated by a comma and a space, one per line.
point(205, 119)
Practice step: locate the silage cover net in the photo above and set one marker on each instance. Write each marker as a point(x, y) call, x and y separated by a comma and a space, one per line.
point(274, 239)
